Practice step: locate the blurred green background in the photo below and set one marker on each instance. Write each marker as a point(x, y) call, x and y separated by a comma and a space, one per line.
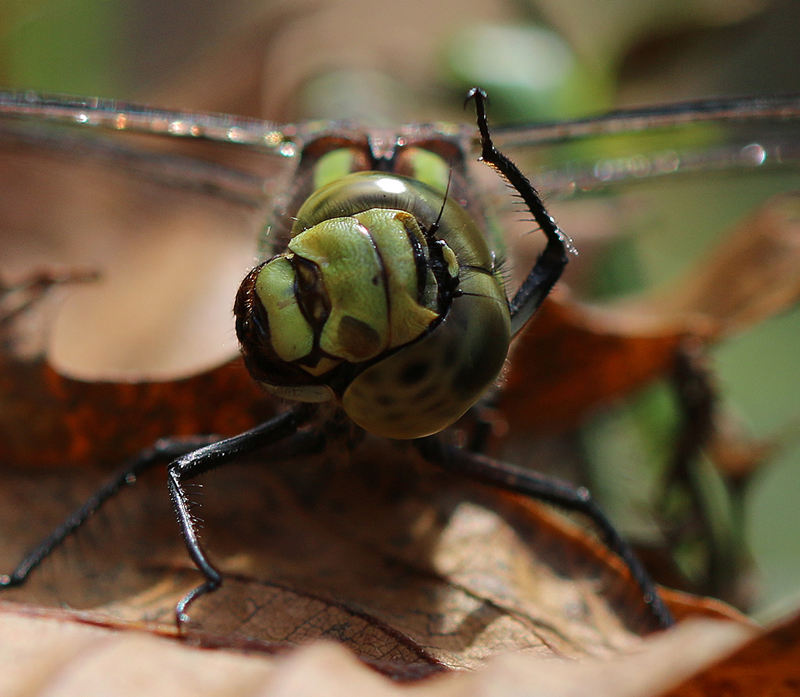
point(384, 62)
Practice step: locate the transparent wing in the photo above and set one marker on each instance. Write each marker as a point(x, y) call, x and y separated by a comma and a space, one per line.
point(673, 177)
point(124, 116)
point(720, 111)
point(170, 222)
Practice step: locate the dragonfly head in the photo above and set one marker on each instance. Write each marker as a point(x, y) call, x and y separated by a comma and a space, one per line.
point(386, 299)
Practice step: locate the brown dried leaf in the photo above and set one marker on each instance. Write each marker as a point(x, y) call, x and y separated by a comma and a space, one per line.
point(769, 665)
point(74, 659)
point(575, 357)
point(402, 563)
point(43, 655)
point(688, 606)
point(69, 423)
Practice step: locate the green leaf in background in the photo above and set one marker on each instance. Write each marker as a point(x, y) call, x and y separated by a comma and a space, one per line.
point(65, 46)
point(530, 71)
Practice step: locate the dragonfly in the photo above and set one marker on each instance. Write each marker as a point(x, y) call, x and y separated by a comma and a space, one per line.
point(411, 342)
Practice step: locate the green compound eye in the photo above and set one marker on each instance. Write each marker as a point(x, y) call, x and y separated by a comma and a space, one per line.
point(428, 384)
point(386, 298)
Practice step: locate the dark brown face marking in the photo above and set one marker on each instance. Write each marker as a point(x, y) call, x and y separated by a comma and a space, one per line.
point(311, 294)
point(358, 338)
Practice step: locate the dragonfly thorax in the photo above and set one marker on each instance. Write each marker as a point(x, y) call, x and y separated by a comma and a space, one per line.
point(386, 299)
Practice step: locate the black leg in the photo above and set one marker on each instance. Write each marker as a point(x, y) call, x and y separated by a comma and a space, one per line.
point(188, 457)
point(696, 401)
point(550, 490)
point(207, 458)
point(161, 453)
point(553, 259)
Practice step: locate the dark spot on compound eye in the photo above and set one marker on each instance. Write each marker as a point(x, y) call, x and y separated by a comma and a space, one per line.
point(371, 377)
point(376, 280)
point(414, 373)
point(385, 400)
point(486, 357)
point(469, 380)
point(426, 392)
point(442, 405)
point(450, 353)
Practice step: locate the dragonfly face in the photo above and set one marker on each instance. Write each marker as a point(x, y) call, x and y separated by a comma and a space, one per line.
point(386, 298)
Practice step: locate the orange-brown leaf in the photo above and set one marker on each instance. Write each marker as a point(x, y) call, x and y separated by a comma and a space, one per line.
point(575, 357)
point(50, 420)
point(768, 666)
point(402, 563)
